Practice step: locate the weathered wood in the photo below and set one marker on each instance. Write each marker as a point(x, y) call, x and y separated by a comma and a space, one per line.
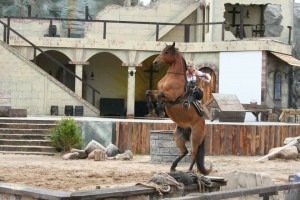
point(229, 139)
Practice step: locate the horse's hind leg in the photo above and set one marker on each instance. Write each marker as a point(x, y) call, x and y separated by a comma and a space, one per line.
point(180, 140)
point(149, 94)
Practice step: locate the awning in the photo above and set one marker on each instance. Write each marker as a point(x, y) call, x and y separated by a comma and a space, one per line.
point(287, 58)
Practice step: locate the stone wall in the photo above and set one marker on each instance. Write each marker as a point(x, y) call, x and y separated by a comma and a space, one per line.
point(34, 89)
point(163, 147)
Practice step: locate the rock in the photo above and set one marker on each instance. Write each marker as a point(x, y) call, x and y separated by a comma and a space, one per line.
point(128, 153)
point(82, 153)
point(91, 155)
point(287, 153)
point(242, 179)
point(112, 150)
point(71, 156)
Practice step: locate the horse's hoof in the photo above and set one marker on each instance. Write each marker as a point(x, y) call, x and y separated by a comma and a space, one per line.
point(172, 170)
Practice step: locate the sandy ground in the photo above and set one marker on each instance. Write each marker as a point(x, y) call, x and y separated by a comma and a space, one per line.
point(53, 172)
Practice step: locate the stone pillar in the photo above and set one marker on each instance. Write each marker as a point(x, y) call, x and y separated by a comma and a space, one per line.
point(130, 92)
point(78, 83)
point(199, 28)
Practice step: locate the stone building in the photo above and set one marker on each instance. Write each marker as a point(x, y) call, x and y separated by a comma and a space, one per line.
point(247, 46)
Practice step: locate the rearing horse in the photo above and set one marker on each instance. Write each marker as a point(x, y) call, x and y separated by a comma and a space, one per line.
point(190, 124)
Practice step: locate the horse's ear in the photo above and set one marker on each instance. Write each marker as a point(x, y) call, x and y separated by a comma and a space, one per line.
point(173, 45)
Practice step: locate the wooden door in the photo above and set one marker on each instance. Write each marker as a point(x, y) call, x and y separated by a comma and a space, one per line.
point(210, 87)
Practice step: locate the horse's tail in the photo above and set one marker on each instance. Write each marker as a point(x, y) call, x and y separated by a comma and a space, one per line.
point(200, 159)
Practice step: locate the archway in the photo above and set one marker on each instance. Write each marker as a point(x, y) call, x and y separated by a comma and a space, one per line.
point(106, 73)
point(212, 86)
point(146, 77)
point(54, 69)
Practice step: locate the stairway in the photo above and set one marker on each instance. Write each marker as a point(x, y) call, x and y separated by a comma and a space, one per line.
point(22, 136)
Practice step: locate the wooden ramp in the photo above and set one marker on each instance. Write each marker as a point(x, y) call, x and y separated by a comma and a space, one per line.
point(229, 108)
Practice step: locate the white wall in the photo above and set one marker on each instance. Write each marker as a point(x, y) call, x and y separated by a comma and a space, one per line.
point(240, 74)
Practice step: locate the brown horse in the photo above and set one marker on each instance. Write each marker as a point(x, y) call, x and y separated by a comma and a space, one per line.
point(190, 124)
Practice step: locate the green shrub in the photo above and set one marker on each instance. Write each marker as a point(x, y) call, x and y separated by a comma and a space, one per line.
point(65, 135)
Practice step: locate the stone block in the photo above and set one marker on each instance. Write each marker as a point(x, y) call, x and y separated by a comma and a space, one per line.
point(17, 113)
point(4, 111)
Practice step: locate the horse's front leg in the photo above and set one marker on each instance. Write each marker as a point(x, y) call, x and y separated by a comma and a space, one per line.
point(160, 108)
point(149, 95)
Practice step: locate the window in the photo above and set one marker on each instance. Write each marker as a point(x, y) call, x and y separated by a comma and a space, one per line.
point(277, 85)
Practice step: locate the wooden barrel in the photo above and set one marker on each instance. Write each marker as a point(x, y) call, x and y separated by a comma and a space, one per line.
point(99, 155)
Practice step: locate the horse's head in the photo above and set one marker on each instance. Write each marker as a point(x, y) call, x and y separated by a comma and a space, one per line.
point(167, 56)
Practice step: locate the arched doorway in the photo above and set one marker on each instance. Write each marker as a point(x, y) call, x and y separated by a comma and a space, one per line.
point(106, 73)
point(146, 77)
point(211, 87)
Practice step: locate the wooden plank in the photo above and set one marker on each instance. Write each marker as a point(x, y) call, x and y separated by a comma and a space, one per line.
point(266, 131)
point(257, 141)
point(216, 139)
point(242, 139)
point(252, 132)
point(228, 132)
point(222, 135)
point(235, 133)
point(271, 137)
point(208, 139)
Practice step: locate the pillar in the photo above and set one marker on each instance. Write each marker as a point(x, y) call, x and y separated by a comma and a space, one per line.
point(130, 92)
point(78, 83)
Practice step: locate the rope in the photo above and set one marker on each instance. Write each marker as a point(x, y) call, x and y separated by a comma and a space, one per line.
point(163, 183)
point(203, 182)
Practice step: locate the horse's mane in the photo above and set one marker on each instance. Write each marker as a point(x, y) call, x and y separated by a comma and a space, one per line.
point(174, 50)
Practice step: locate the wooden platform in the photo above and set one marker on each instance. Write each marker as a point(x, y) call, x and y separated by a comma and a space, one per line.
point(229, 107)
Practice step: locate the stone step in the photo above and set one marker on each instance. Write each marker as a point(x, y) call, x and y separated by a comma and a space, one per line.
point(28, 148)
point(24, 131)
point(23, 136)
point(26, 126)
point(30, 121)
point(24, 142)
point(29, 153)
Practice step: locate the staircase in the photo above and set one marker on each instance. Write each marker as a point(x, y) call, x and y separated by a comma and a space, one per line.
point(22, 136)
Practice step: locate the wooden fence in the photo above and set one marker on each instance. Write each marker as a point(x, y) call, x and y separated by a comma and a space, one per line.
point(221, 139)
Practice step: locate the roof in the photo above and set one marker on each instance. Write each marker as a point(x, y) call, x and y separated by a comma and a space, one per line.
point(287, 58)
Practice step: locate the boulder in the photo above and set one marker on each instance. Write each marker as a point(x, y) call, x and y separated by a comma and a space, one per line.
point(287, 153)
point(112, 150)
